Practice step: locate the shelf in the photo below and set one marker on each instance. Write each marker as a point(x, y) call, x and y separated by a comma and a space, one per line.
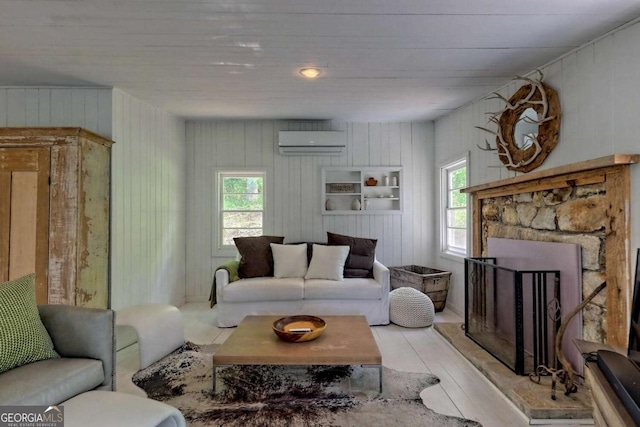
point(364, 212)
point(357, 177)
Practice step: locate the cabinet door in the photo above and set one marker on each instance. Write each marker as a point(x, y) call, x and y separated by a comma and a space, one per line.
point(24, 215)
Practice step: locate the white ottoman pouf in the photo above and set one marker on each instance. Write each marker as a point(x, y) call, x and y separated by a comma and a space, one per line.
point(159, 327)
point(410, 308)
point(111, 409)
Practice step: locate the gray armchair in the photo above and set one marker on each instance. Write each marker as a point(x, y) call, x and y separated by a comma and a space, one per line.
point(84, 338)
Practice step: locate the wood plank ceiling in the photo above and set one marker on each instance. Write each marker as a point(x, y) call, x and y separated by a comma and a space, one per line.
point(381, 60)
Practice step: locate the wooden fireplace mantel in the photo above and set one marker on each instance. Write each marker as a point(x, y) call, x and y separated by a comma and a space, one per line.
point(614, 172)
point(581, 167)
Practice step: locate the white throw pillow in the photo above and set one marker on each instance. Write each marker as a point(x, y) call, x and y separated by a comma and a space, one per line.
point(327, 262)
point(289, 260)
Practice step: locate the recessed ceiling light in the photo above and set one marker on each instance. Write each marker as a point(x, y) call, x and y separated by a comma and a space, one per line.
point(310, 72)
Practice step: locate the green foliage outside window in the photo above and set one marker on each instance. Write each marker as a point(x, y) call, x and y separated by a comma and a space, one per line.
point(457, 218)
point(242, 207)
point(455, 209)
point(457, 180)
point(243, 193)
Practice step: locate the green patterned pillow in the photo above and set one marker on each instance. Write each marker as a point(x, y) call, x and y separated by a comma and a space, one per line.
point(23, 337)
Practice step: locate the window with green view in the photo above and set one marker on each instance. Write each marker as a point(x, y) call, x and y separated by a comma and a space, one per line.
point(454, 208)
point(241, 205)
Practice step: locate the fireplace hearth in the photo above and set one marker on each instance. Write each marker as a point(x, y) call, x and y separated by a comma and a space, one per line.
point(533, 399)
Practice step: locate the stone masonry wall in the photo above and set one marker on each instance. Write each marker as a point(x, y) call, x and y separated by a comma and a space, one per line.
point(567, 215)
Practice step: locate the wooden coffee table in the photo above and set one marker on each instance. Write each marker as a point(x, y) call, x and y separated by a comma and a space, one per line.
point(347, 340)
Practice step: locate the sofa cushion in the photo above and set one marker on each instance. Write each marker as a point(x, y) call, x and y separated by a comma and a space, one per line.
point(23, 337)
point(362, 254)
point(49, 382)
point(289, 260)
point(359, 288)
point(256, 259)
point(327, 262)
point(264, 289)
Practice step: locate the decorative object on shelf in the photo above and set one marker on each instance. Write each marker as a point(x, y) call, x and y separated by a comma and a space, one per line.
point(386, 180)
point(299, 328)
point(355, 205)
point(330, 205)
point(372, 182)
point(528, 126)
point(394, 181)
point(366, 204)
point(342, 188)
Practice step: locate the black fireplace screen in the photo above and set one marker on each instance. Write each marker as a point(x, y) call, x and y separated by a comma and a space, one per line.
point(512, 314)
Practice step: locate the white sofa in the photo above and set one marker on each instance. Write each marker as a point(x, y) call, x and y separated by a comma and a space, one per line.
point(289, 296)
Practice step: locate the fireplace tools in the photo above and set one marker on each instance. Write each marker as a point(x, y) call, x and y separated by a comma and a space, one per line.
point(566, 375)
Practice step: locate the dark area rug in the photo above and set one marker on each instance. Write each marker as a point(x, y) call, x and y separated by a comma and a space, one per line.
point(255, 396)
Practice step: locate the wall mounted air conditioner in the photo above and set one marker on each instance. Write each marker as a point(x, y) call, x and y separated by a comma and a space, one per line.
point(307, 143)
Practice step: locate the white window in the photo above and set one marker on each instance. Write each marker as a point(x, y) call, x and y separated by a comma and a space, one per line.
point(453, 217)
point(241, 205)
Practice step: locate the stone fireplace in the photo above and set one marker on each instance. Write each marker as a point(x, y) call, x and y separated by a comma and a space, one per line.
point(586, 204)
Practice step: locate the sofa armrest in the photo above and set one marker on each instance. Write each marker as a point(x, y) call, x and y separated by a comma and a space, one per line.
point(83, 332)
point(381, 275)
point(222, 280)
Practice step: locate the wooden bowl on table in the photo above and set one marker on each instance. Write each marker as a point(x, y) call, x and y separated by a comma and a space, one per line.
point(299, 328)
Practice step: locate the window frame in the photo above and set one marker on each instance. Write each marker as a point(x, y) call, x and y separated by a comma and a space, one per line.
point(449, 166)
point(218, 214)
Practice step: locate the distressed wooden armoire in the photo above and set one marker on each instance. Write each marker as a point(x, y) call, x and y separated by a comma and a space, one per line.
point(54, 213)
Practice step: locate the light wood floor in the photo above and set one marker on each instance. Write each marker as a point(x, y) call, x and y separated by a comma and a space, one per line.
point(463, 391)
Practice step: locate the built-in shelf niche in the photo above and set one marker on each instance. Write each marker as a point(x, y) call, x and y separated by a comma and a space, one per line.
point(343, 186)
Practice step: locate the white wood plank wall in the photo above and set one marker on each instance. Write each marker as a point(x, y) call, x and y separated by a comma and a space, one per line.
point(599, 91)
point(148, 204)
point(89, 108)
point(294, 191)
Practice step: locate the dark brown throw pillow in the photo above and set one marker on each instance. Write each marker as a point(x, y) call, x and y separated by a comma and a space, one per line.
point(361, 256)
point(256, 259)
point(309, 248)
